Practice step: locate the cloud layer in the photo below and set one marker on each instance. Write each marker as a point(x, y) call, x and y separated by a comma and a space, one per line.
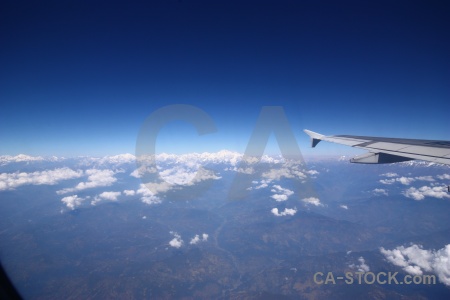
point(415, 260)
point(10, 181)
point(96, 178)
point(439, 192)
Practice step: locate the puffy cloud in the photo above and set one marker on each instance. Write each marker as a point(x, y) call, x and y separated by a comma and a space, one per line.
point(108, 161)
point(286, 212)
point(196, 239)
point(444, 176)
point(380, 192)
point(362, 266)
point(96, 178)
point(223, 156)
point(142, 170)
point(111, 196)
point(387, 181)
point(283, 193)
point(155, 187)
point(424, 178)
point(6, 159)
point(277, 174)
point(312, 172)
point(248, 170)
point(343, 206)
point(176, 242)
point(286, 170)
point(262, 184)
point(10, 181)
point(72, 201)
point(129, 192)
point(406, 180)
point(147, 196)
point(181, 175)
point(126, 158)
point(192, 160)
point(279, 197)
point(313, 201)
point(426, 191)
point(415, 260)
point(175, 177)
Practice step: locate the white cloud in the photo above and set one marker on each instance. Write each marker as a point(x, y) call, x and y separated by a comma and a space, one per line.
point(111, 196)
point(283, 193)
point(147, 196)
point(176, 242)
point(362, 266)
point(279, 197)
point(286, 212)
point(142, 170)
point(389, 174)
point(96, 178)
point(387, 181)
point(424, 178)
point(196, 239)
point(312, 172)
point(10, 181)
point(262, 184)
point(247, 170)
point(313, 201)
point(156, 187)
point(288, 170)
point(406, 180)
point(6, 159)
point(129, 192)
point(415, 260)
point(126, 158)
point(173, 178)
point(444, 176)
point(180, 175)
point(380, 192)
point(72, 201)
point(343, 206)
point(426, 191)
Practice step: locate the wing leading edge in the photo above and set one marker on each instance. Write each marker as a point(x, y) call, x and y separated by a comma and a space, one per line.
point(389, 150)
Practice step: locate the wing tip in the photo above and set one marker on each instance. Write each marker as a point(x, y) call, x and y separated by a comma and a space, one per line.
point(315, 137)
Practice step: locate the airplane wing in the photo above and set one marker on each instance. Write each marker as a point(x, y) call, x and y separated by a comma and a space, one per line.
point(389, 150)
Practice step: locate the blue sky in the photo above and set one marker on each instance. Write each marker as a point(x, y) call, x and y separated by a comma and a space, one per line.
point(79, 78)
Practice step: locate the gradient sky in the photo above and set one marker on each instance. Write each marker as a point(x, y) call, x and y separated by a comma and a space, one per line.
point(80, 77)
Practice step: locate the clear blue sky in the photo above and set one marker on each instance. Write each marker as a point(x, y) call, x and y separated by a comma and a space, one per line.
point(80, 77)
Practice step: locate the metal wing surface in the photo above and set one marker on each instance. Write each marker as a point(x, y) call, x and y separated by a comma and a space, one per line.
point(389, 150)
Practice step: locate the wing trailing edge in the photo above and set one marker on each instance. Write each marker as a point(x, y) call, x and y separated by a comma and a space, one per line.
point(389, 150)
